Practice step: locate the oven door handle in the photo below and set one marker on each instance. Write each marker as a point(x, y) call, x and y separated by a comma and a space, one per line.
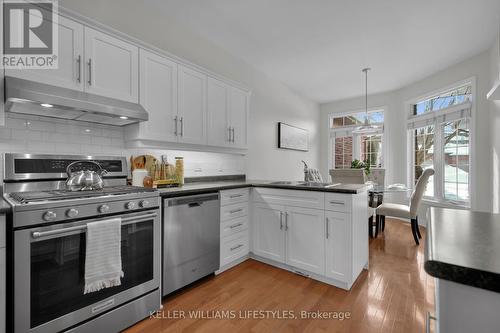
point(125, 221)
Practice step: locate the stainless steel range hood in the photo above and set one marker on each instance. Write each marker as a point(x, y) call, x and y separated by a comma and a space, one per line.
point(34, 98)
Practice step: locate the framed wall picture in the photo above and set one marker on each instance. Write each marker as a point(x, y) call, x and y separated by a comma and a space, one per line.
point(291, 137)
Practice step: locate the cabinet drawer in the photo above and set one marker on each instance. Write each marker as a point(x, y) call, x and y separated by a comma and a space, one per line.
point(338, 202)
point(2, 231)
point(233, 211)
point(233, 196)
point(234, 247)
point(233, 226)
point(295, 198)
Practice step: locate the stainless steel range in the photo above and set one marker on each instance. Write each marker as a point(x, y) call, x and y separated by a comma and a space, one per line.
point(49, 242)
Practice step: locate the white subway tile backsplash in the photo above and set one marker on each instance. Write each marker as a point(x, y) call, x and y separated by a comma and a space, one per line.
point(68, 148)
point(13, 146)
point(91, 149)
point(68, 128)
point(33, 134)
point(101, 140)
point(5, 133)
point(16, 123)
point(26, 134)
point(38, 125)
point(117, 142)
point(40, 147)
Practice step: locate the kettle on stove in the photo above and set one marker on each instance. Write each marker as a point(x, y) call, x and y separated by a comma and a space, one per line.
point(84, 179)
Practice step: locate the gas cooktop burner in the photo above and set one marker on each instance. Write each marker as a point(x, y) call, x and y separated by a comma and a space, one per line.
point(55, 195)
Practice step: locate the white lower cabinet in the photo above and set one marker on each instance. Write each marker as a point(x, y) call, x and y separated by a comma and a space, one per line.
point(327, 244)
point(320, 235)
point(234, 233)
point(234, 247)
point(338, 239)
point(291, 235)
point(305, 239)
point(269, 235)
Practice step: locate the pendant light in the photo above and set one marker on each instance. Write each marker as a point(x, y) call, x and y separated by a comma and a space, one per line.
point(366, 128)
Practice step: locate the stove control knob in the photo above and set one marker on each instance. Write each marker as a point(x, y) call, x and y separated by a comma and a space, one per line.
point(49, 216)
point(103, 209)
point(143, 203)
point(130, 205)
point(72, 212)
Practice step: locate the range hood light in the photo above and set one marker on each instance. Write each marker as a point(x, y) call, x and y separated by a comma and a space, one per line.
point(45, 105)
point(123, 117)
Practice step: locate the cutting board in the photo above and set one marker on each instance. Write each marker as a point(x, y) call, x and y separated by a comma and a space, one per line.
point(143, 162)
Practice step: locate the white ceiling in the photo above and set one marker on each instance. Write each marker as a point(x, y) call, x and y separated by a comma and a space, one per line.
point(318, 47)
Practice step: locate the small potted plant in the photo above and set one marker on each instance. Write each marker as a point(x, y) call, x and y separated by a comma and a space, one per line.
point(357, 164)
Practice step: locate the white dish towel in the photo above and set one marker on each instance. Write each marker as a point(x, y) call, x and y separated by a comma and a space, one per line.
point(103, 258)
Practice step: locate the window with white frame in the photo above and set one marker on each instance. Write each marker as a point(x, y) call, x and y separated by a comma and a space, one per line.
point(439, 132)
point(346, 146)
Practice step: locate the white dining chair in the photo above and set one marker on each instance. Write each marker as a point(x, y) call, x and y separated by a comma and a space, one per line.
point(407, 211)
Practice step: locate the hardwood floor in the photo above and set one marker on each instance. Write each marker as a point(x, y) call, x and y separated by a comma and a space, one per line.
point(394, 295)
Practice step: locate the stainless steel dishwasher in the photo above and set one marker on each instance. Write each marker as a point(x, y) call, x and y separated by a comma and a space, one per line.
point(191, 238)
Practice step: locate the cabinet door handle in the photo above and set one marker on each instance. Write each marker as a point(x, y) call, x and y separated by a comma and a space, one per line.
point(182, 126)
point(233, 134)
point(327, 227)
point(79, 64)
point(286, 221)
point(229, 131)
point(175, 121)
point(281, 220)
point(428, 319)
point(235, 210)
point(236, 225)
point(236, 247)
point(90, 72)
point(235, 196)
point(337, 203)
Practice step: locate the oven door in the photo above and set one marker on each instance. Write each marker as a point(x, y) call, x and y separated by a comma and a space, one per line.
point(49, 266)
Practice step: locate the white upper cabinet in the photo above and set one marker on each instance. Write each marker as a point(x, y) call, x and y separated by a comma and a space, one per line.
point(158, 95)
point(111, 66)
point(269, 235)
point(238, 107)
point(69, 73)
point(338, 255)
point(192, 114)
point(184, 105)
point(305, 240)
point(218, 128)
point(227, 115)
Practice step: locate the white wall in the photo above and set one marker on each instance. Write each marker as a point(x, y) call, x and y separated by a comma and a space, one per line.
point(495, 127)
point(271, 101)
point(395, 123)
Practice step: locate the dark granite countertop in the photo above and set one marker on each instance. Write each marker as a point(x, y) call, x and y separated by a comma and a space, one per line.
point(4, 206)
point(464, 247)
point(202, 187)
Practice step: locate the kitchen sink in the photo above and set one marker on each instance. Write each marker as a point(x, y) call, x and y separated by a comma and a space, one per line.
point(317, 184)
point(305, 184)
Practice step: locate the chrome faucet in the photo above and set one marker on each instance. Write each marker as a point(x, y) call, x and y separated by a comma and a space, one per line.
point(306, 171)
